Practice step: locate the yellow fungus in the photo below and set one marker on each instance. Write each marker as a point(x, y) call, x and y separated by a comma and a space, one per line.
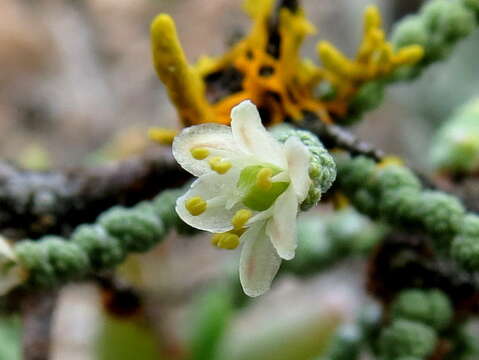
point(390, 160)
point(372, 18)
point(162, 136)
point(241, 218)
point(263, 178)
point(274, 76)
point(200, 153)
point(409, 54)
point(185, 86)
point(196, 205)
point(227, 240)
point(219, 165)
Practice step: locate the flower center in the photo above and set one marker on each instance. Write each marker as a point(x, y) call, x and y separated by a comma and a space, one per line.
point(257, 187)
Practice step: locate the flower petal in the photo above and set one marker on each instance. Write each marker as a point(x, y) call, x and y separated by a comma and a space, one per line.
point(216, 138)
point(298, 156)
point(6, 251)
point(11, 279)
point(259, 261)
point(217, 190)
point(250, 134)
point(281, 228)
point(11, 274)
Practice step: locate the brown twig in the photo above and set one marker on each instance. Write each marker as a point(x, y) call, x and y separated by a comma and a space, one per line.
point(37, 313)
point(34, 203)
point(334, 136)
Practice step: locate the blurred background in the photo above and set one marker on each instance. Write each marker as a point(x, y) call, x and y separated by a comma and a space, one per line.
point(77, 87)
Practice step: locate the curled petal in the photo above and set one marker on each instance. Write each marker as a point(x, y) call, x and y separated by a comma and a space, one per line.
point(298, 157)
point(259, 261)
point(250, 134)
point(281, 228)
point(11, 279)
point(11, 274)
point(216, 138)
point(6, 251)
point(216, 190)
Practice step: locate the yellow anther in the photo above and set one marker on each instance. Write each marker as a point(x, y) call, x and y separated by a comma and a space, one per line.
point(241, 218)
point(409, 55)
point(263, 179)
point(219, 165)
point(225, 240)
point(199, 153)
point(162, 136)
point(196, 205)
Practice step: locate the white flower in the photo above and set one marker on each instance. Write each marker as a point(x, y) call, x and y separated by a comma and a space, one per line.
point(11, 273)
point(248, 191)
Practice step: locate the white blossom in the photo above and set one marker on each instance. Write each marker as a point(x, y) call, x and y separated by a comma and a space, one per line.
point(248, 191)
point(11, 273)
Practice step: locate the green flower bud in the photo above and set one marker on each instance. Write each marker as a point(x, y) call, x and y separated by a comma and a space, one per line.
point(33, 257)
point(399, 207)
point(441, 214)
point(410, 31)
point(67, 259)
point(354, 172)
point(164, 206)
point(431, 307)
point(465, 250)
point(322, 168)
point(136, 230)
point(369, 96)
point(104, 251)
point(395, 177)
point(407, 338)
point(365, 202)
point(455, 147)
point(351, 232)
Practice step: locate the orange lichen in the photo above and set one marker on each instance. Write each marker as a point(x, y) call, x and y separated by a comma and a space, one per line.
point(267, 69)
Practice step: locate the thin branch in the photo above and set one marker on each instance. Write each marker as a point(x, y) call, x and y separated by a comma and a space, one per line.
point(35, 203)
point(334, 136)
point(407, 260)
point(37, 313)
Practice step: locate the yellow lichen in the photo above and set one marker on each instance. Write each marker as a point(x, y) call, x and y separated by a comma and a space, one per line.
point(162, 136)
point(185, 87)
point(390, 160)
point(271, 73)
